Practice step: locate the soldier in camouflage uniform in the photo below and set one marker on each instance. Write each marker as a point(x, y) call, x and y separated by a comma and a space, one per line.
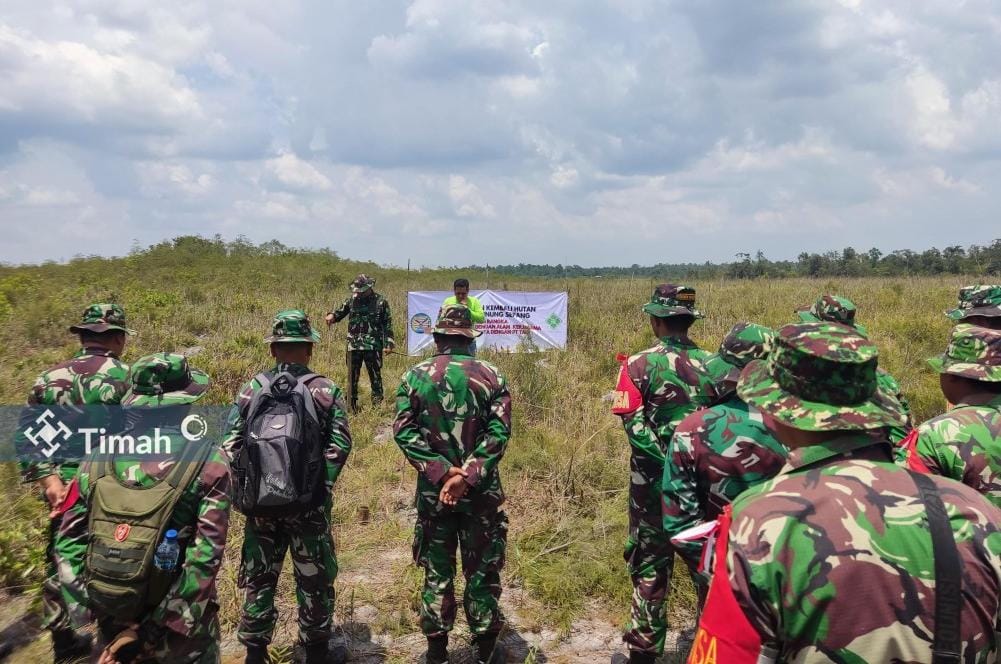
point(183, 627)
point(94, 376)
point(832, 559)
point(979, 305)
point(306, 535)
point(657, 388)
point(370, 334)
point(965, 443)
point(836, 309)
point(453, 422)
point(719, 452)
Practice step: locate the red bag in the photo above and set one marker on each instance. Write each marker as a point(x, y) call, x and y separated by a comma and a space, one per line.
point(725, 635)
point(914, 461)
point(627, 397)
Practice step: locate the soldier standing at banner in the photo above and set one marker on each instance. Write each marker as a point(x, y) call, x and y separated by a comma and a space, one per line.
point(978, 305)
point(453, 422)
point(182, 625)
point(657, 388)
point(835, 559)
point(306, 535)
point(836, 309)
point(94, 376)
point(719, 452)
point(370, 334)
point(965, 442)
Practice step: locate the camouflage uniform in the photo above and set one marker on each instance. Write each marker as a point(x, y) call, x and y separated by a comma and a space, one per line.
point(657, 389)
point(306, 535)
point(831, 560)
point(965, 443)
point(453, 410)
point(980, 304)
point(835, 309)
point(93, 376)
point(370, 331)
point(718, 453)
point(184, 626)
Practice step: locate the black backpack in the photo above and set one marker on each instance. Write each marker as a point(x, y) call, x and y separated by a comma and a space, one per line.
point(280, 469)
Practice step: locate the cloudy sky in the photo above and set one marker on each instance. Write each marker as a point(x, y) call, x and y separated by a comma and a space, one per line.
point(457, 132)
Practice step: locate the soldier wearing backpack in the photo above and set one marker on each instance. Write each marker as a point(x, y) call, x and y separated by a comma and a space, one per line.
point(288, 442)
point(143, 542)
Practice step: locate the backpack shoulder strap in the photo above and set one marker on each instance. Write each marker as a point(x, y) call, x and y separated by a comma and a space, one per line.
point(310, 403)
point(264, 379)
point(947, 645)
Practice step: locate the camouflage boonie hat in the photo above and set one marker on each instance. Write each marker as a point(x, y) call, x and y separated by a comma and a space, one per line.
point(164, 379)
point(831, 308)
point(292, 325)
point(980, 300)
point(820, 377)
point(362, 283)
point(744, 342)
point(672, 300)
point(456, 320)
point(973, 352)
point(102, 318)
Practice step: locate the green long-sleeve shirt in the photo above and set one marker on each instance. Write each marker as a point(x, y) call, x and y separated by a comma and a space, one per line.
point(475, 307)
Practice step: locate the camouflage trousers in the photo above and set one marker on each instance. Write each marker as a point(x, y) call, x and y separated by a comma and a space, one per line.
point(650, 558)
point(199, 647)
point(265, 542)
point(372, 359)
point(56, 614)
point(482, 539)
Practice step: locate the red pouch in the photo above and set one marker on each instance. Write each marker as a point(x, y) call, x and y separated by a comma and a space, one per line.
point(627, 397)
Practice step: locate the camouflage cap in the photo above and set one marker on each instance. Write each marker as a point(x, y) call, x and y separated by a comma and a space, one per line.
point(164, 379)
point(362, 283)
point(973, 352)
point(979, 300)
point(102, 317)
point(672, 300)
point(292, 325)
point(831, 308)
point(456, 320)
point(744, 342)
point(820, 377)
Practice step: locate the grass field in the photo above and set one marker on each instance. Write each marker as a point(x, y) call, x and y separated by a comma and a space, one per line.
point(565, 471)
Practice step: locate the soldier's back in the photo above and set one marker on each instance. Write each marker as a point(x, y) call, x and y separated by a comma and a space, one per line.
point(89, 377)
point(834, 562)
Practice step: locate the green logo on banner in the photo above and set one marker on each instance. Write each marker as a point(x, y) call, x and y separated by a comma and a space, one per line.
point(554, 321)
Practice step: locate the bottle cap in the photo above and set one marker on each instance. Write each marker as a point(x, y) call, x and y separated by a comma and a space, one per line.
point(171, 534)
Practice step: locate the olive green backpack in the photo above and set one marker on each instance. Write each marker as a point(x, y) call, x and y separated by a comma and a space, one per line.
point(126, 525)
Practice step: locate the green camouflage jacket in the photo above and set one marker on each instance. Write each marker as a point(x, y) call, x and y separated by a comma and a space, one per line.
point(831, 560)
point(370, 323)
point(889, 385)
point(92, 377)
point(201, 519)
point(964, 444)
point(329, 401)
point(454, 410)
point(715, 455)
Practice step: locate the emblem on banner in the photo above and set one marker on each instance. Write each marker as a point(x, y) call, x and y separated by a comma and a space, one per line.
point(421, 324)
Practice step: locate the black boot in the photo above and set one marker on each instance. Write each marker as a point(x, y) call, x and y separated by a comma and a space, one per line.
point(68, 646)
point(437, 650)
point(257, 655)
point(488, 651)
point(637, 657)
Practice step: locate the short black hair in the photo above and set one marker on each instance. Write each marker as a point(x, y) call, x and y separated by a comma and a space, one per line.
point(89, 336)
point(461, 282)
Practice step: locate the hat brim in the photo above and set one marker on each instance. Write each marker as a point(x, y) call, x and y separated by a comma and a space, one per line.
point(960, 314)
point(758, 388)
point(100, 328)
point(313, 338)
point(468, 332)
point(941, 364)
point(661, 311)
point(194, 391)
point(356, 290)
point(808, 317)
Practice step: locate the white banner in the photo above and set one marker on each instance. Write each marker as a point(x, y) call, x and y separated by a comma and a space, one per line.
point(512, 317)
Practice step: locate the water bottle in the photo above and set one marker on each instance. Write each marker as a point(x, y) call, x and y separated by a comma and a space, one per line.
point(168, 552)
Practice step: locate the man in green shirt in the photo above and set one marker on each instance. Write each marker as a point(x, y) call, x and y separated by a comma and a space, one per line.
point(460, 288)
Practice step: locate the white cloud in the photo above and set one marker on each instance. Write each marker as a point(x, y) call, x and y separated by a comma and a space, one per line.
point(297, 174)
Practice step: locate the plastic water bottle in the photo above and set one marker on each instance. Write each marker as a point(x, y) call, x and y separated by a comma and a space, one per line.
point(168, 552)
